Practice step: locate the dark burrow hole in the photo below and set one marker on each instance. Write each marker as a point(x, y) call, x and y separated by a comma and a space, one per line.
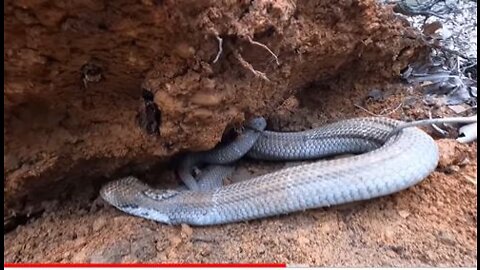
point(80, 191)
point(149, 117)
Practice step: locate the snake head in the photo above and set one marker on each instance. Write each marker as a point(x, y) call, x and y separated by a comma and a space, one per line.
point(132, 196)
point(257, 123)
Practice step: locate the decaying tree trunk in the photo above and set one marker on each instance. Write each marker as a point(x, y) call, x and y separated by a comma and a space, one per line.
point(93, 86)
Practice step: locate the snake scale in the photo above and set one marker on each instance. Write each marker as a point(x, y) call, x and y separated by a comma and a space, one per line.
point(384, 163)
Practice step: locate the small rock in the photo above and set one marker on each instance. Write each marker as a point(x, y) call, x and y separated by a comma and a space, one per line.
point(66, 254)
point(464, 162)
point(398, 249)
point(261, 249)
point(388, 235)
point(403, 213)
point(433, 210)
point(98, 224)
point(205, 252)
point(452, 169)
point(446, 238)
point(186, 231)
point(450, 153)
point(325, 228)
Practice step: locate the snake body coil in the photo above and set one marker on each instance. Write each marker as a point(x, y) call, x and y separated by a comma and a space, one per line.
point(386, 164)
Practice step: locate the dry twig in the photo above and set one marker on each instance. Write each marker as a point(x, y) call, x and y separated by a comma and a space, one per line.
point(382, 113)
point(265, 47)
point(220, 49)
point(249, 66)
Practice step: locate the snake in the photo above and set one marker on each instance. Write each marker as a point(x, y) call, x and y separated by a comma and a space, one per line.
point(381, 163)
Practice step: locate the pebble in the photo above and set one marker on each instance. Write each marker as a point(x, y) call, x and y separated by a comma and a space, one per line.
point(452, 169)
point(261, 249)
point(98, 224)
point(205, 252)
point(449, 154)
point(403, 213)
point(388, 235)
point(446, 238)
point(186, 231)
point(398, 249)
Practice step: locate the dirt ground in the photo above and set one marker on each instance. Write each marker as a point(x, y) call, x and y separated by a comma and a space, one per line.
point(431, 224)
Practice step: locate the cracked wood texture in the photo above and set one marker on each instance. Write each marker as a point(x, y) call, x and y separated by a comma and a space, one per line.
point(83, 77)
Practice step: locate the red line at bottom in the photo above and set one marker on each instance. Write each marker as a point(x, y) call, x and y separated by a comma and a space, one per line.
point(169, 265)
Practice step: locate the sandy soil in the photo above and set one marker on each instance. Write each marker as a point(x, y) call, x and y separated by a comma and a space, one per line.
point(433, 223)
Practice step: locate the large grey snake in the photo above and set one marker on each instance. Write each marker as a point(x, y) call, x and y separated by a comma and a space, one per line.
point(386, 163)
